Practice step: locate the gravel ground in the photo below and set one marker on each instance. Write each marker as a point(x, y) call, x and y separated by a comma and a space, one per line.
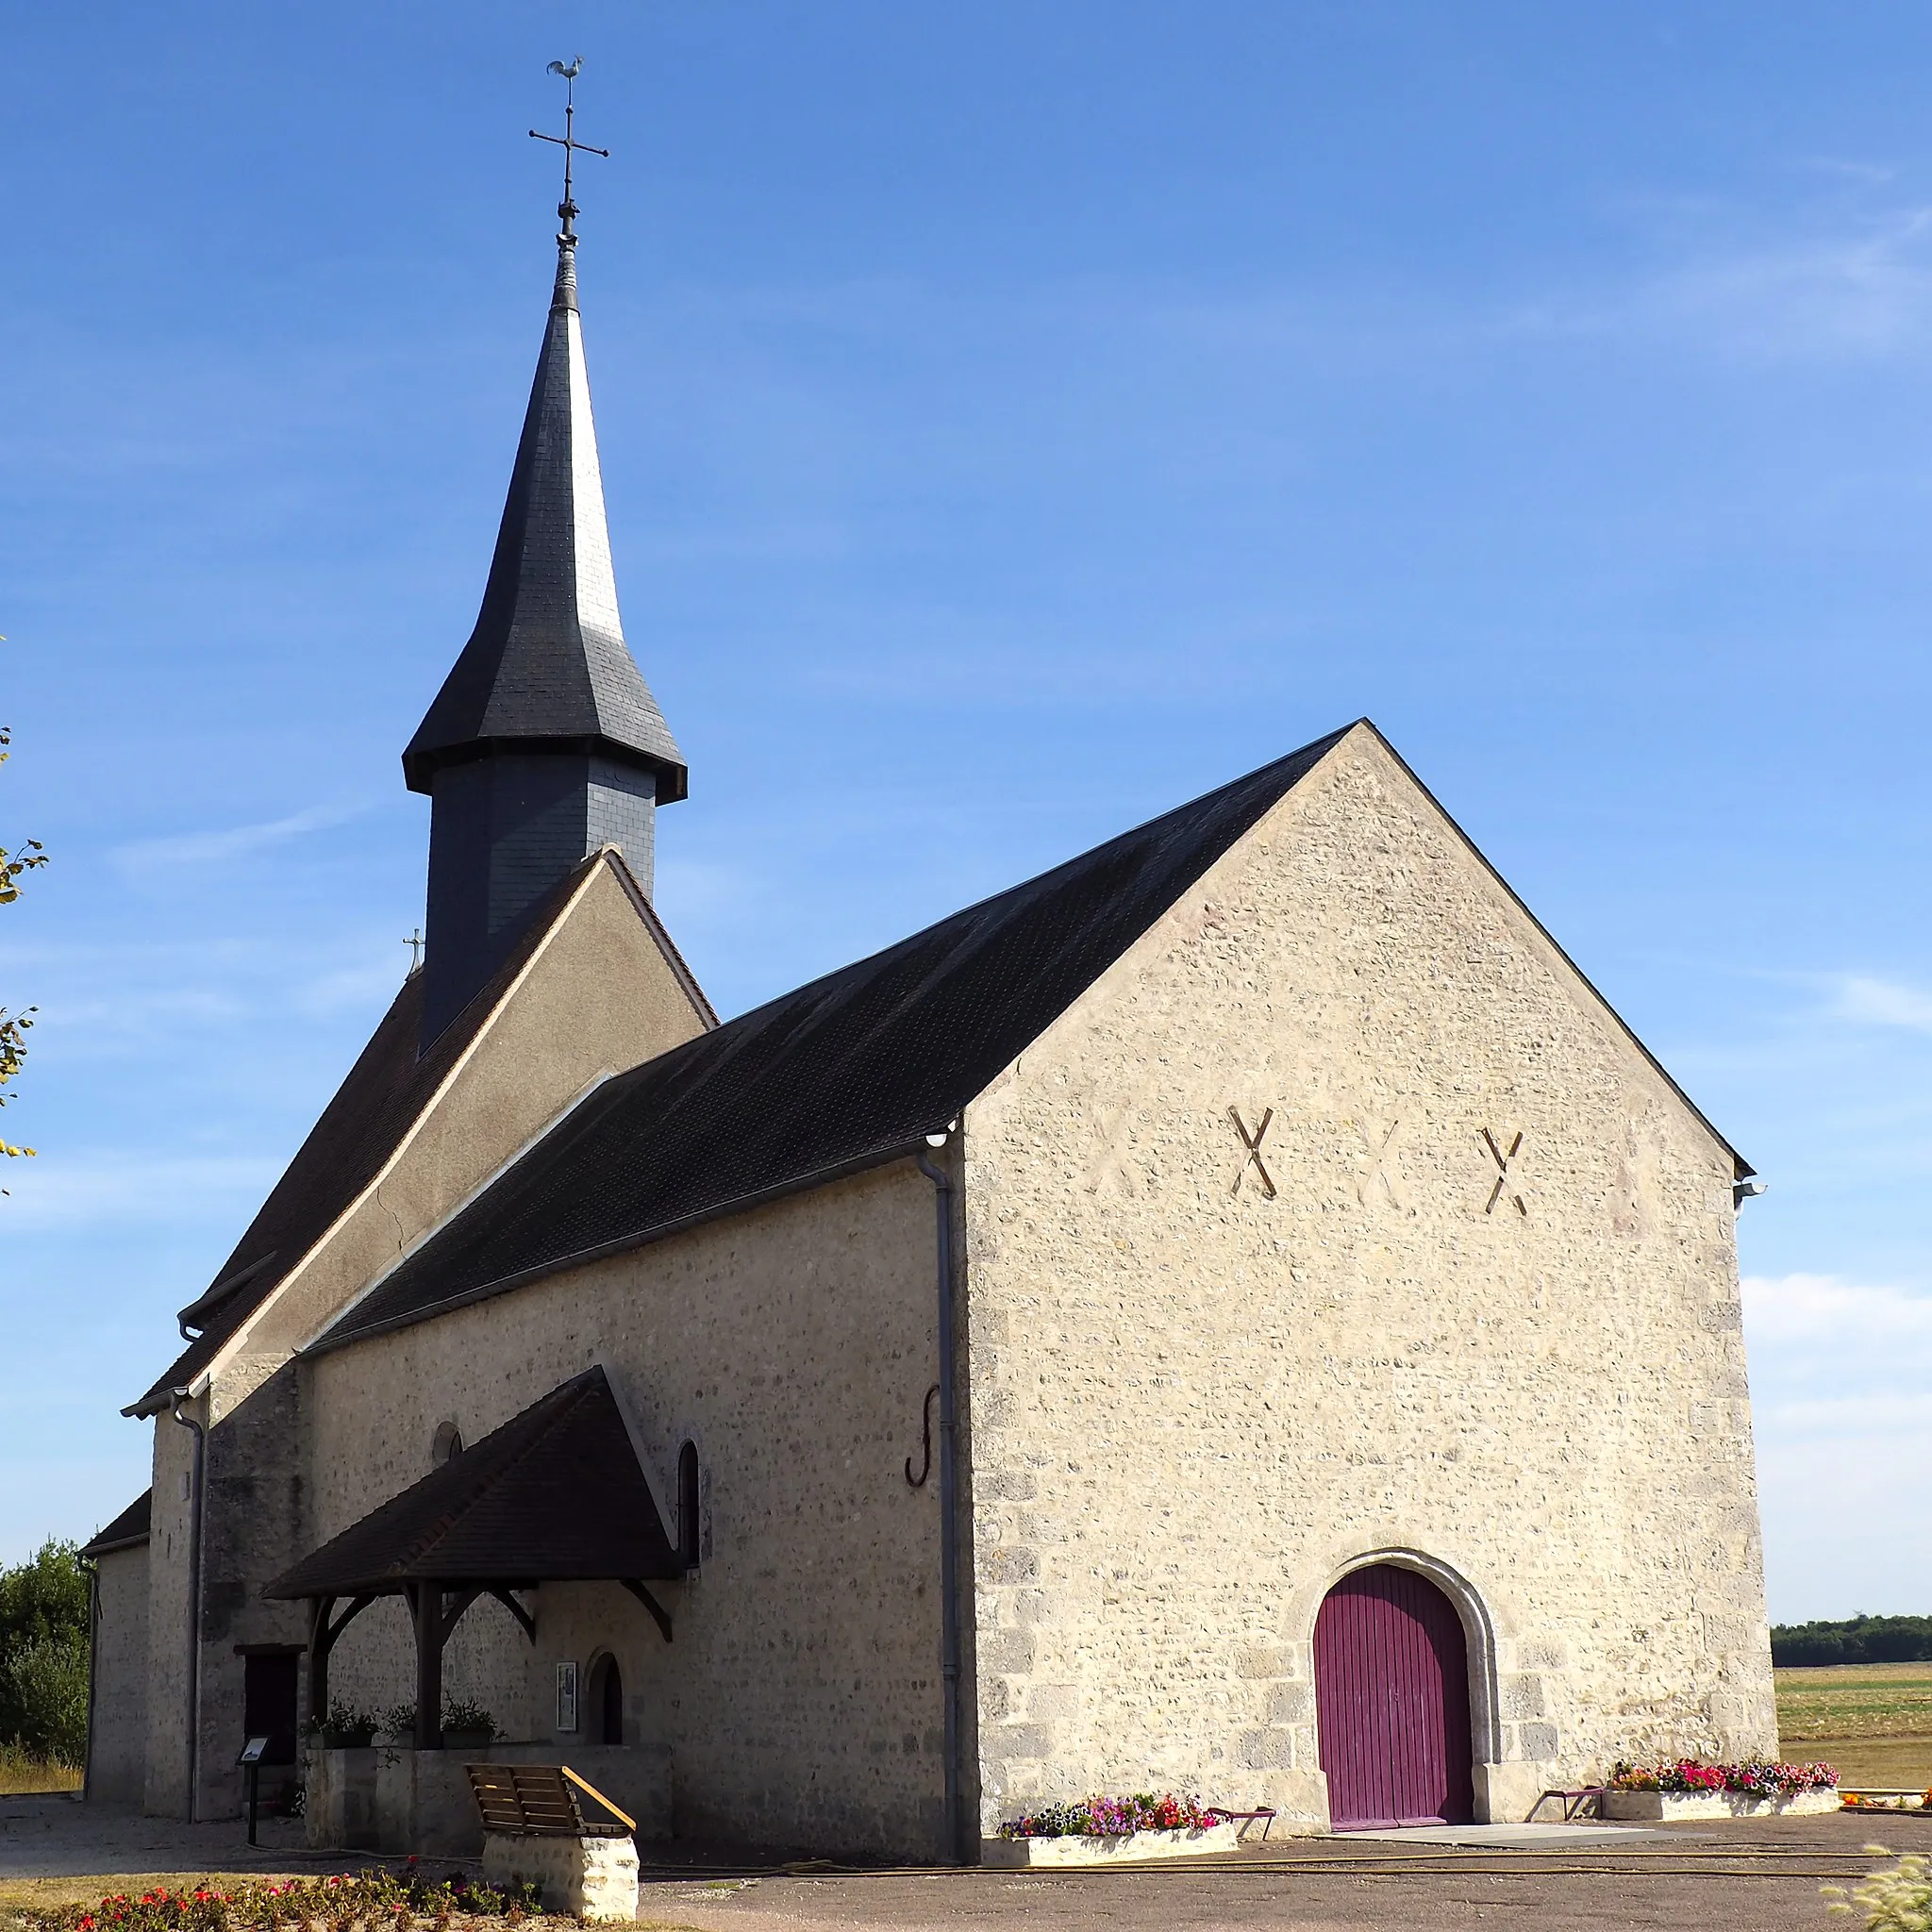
point(1742, 1877)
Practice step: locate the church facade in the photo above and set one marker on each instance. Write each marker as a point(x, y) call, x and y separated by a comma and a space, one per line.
point(1238, 1313)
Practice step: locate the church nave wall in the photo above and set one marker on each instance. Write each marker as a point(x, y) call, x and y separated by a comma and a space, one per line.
point(795, 1344)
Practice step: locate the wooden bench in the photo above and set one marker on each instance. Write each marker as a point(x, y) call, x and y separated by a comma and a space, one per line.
point(1573, 1801)
point(1244, 1821)
point(540, 1800)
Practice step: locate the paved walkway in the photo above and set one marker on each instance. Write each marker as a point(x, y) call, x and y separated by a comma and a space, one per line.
point(1761, 1877)
point(60, 1838)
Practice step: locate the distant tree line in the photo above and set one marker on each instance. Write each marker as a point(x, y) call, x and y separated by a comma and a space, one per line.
point(43, 1646)
point(1856, 1641)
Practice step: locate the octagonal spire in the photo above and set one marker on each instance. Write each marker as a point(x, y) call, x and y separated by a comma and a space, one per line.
point(547, 668)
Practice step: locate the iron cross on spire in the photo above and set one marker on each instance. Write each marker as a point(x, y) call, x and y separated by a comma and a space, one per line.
point(567, 141)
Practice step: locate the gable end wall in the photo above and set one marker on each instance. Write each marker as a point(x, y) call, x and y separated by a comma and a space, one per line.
point(1194, 1406)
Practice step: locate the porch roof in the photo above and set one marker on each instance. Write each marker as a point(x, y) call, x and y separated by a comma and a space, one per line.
point(557, 1495)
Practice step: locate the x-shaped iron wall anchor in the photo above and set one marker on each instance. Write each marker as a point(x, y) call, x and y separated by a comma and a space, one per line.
point(1503, 1163)
point(1252, 1144)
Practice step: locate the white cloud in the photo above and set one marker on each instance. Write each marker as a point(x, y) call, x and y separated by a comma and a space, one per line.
point(1810, 1310)
point(1859, 293)
point(134, 1184)
point(1880, 1003)
point(1868, 1419)
point(1858, 289)
point(218, 848)
point(1840, 1373)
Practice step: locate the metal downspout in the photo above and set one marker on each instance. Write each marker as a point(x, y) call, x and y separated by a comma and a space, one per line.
point(949, 1517)
point(177, 1397)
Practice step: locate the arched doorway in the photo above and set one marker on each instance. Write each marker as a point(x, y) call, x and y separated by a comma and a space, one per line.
point(607, 1700)
point(1391, 1700)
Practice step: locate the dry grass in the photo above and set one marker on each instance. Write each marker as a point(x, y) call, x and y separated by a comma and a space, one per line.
point(43, 1894)
point(20, 1773)
point(1874, 1721)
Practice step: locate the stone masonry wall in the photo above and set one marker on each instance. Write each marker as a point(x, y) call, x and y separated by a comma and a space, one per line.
point(793, 1345)
point(1195, 1405)
point(164, 1781)
point(598, 996)
point(117, 1755)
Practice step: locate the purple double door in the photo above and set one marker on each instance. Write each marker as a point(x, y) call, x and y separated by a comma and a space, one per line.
point(1391, 1698)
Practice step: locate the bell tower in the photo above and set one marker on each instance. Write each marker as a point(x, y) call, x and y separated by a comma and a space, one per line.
point(544, 742)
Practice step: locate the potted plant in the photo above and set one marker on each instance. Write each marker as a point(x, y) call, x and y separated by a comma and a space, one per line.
point(466, 1727)
point(345, 1728)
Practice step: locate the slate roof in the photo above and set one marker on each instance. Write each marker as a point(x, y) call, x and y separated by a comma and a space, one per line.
point(546, 667)
point(852, 1070)
point(384, 1094)
point(126, 1531)
point(555, 1495)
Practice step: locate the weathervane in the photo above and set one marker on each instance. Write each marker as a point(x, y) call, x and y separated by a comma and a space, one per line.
point(567, 141)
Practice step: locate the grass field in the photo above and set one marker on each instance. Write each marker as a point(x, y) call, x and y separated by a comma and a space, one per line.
point(1874, 1721)
point(18, 1773)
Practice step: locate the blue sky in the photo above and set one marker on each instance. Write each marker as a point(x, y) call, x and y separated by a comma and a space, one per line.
point(1015, 420)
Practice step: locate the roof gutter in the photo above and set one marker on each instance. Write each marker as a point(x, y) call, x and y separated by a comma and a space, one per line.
point(944, 1192)
point(158, 1400)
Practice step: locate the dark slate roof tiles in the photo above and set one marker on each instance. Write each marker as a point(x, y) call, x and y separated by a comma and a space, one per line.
point(126, 1531)
point(848, 1071)
point(555, 1494)
point(547, 666)
point(384, 1094)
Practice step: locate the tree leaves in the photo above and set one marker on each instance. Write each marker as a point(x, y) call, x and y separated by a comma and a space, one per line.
point(14, 865)
point(43, 1642)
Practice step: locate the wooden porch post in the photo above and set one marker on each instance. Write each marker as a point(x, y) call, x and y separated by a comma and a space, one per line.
point(320, 1643)
point(425, 1605)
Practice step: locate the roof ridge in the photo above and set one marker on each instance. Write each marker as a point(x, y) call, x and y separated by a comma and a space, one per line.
point(373, 1138)
point(842, 1073)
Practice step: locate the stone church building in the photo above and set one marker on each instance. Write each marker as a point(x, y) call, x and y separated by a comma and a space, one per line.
point(1238, 1313)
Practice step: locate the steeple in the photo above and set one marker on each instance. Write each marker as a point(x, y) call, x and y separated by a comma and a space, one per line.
point(544, 742)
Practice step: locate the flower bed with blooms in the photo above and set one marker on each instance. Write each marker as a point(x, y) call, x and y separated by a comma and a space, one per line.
point(1112, 1817)
point(372, 1902)
point(1894, 1801)
point(1754, 1779)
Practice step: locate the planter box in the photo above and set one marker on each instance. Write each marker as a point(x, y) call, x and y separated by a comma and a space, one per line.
point(1662, 1807)
point(1132, 1849)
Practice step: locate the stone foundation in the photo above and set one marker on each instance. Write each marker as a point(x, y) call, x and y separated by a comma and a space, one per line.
point(591, 1878)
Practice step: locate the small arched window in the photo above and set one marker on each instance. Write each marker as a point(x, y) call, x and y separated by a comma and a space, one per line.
point(448, 1442)
point(688, 1506)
